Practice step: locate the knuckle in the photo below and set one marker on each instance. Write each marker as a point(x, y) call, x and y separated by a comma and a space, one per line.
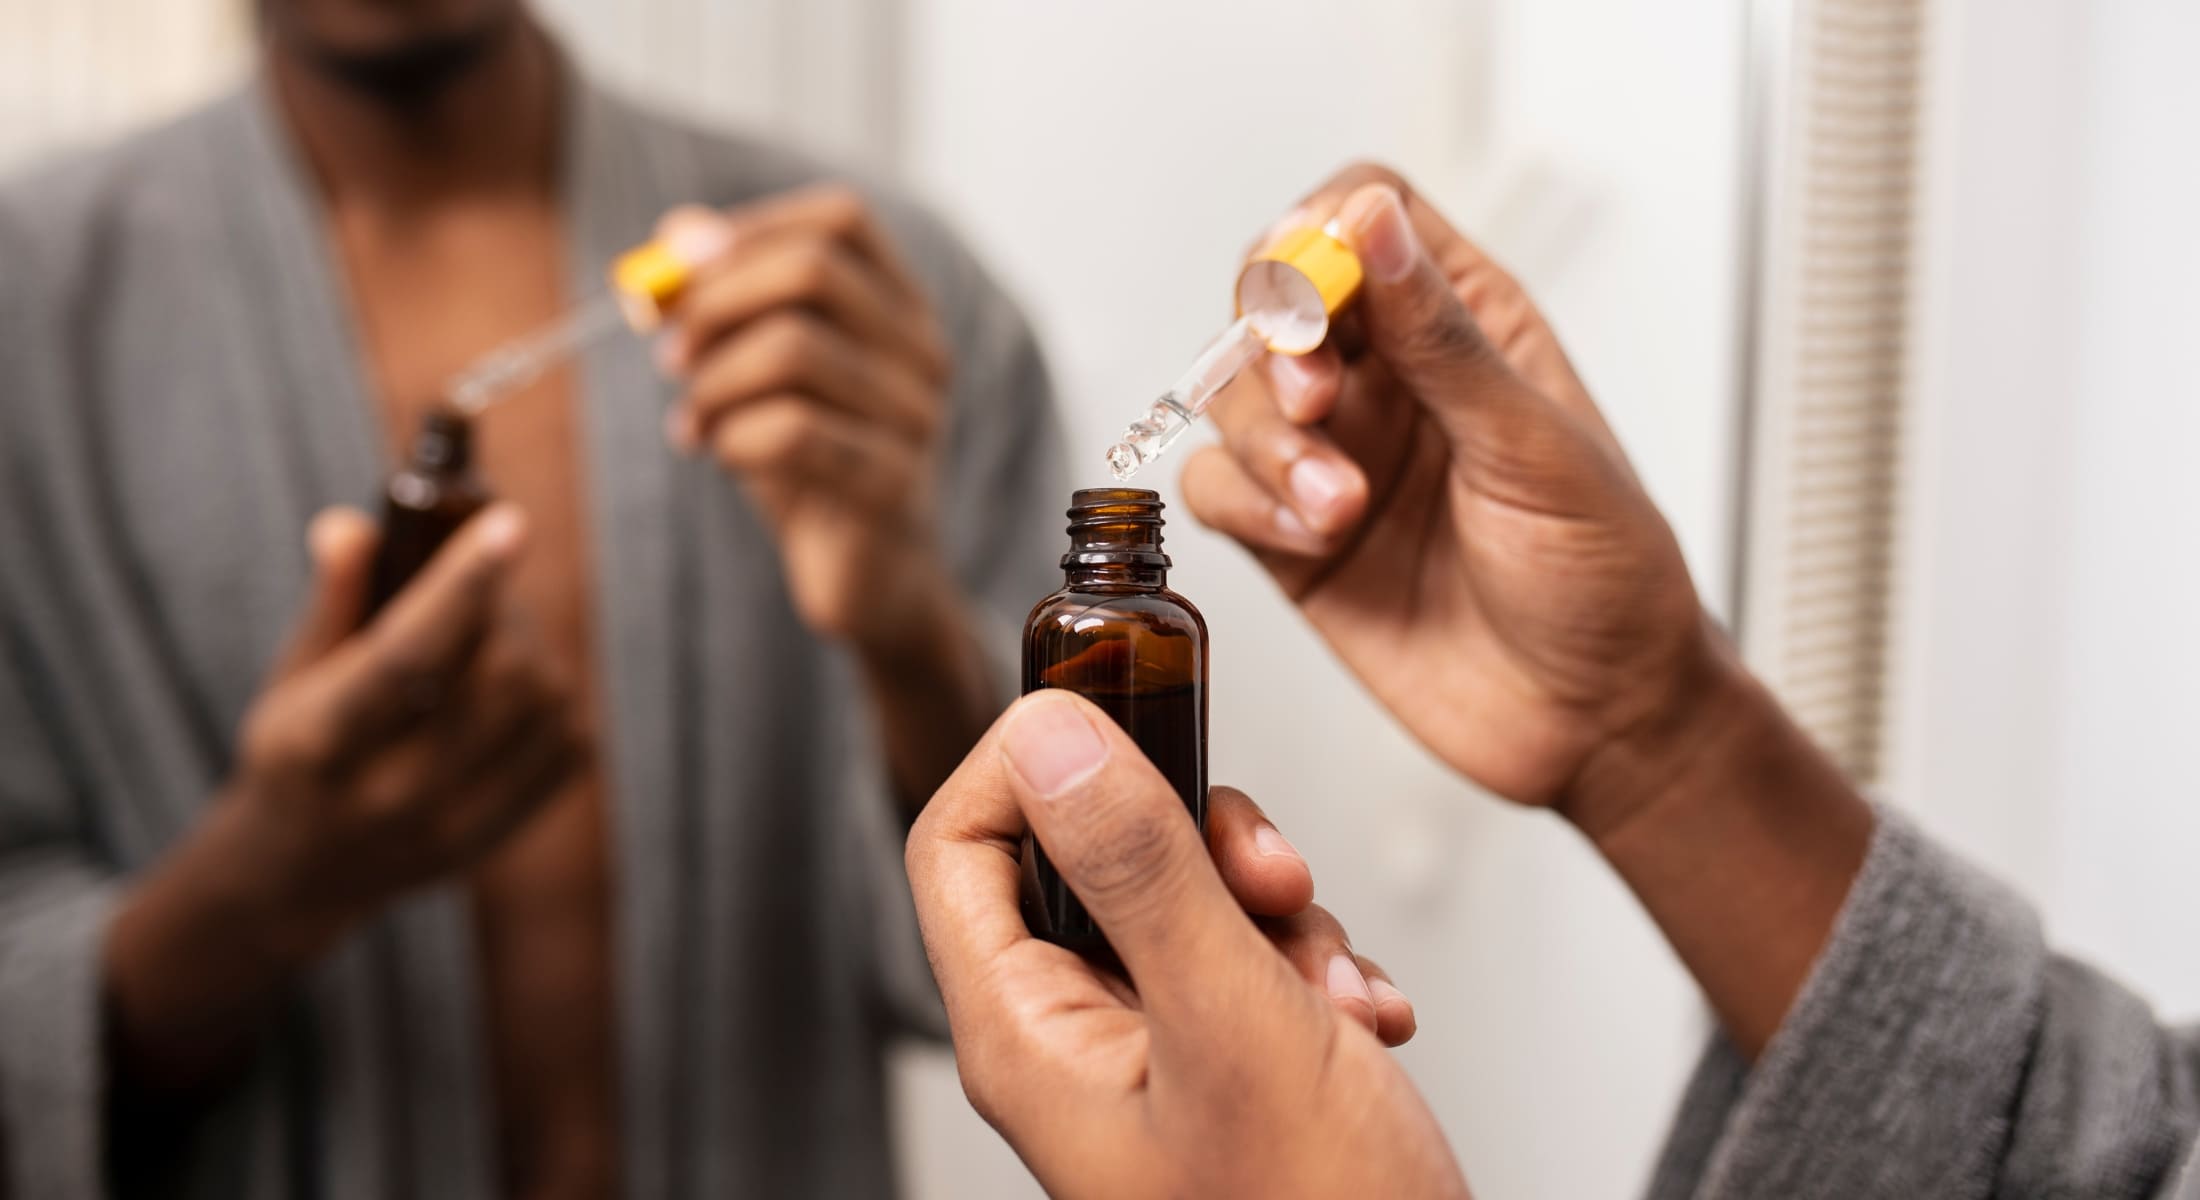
point(974, 1067)
point(275, 740)
point(262, 737)
point(1449, 335)
point(1263, 440)
point(990, 1051)
point(1323, 926)
point(813, 268)
point(732, 452)
point(1242, 405)
point(312, 746)
point(927, 415)
point(398, 658)
point(920, 850)
point(791, 343)
point(775, 432)
point(841, 208)
point(1281, 447)
point(940, 361)
point(1364, 171)
point(798, 429)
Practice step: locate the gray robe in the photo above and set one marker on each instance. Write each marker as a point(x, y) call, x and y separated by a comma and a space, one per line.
point(180, 390)
point(1940, 1050)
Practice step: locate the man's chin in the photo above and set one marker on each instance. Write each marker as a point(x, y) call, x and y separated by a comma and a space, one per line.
point(412, 72)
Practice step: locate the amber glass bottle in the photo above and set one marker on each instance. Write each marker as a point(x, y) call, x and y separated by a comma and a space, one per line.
point(1116, 635)
point(426, 502)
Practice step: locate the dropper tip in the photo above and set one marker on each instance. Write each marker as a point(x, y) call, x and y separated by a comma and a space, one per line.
point(1123, 461)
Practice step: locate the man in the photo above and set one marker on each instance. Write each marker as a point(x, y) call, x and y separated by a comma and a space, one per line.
point(1892, 1023)
point(570, 873)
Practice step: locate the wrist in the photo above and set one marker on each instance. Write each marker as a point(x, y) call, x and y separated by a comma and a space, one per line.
point(196, 953)
point(930, 690)
point(258, 876)
point(1710, 710)
point(911, 623)
point(1737, 834)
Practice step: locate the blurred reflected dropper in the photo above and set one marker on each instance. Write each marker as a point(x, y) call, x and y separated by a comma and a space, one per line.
point(644, 282)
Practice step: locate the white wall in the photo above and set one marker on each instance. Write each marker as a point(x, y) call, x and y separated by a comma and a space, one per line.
point(825, 73)
point(73, 71)
point(1112, 161)
point(2129, 818)
point(2051, 712)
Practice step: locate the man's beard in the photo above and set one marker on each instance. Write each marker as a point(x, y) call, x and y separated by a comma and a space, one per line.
point(411, 75)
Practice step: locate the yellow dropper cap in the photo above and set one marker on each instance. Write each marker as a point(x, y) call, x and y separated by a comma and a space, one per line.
point(648, 279)
point(1291, 287)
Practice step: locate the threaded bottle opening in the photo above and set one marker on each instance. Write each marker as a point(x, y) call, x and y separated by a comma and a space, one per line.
point(1115, 527)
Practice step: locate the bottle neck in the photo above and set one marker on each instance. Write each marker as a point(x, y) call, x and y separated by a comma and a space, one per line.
point(1114, 576)
point(1115, 541)
point(444, 444)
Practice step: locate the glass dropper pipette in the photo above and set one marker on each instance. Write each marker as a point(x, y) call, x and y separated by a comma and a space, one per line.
point(644, 281)
point(1286, 295)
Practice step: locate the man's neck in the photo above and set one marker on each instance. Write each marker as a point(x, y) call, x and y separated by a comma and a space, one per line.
point(491, 131)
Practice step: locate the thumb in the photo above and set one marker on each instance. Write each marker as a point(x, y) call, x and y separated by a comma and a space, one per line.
point(1209, 983)
point(1421, 329)
point(342, 542)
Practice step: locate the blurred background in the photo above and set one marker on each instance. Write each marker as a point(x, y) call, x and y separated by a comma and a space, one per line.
point(1891, 300)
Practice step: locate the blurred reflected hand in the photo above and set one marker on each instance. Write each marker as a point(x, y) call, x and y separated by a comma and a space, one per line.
point(1443, 500)
point(375, 761)
point(382, 758)
point(816, 373)
point(1230, 1063)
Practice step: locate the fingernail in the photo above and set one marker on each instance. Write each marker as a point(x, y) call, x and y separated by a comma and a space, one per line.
point(1052, 746)
point(1269, 842)
point(1346, 982)
point(1316, 486)
point(1381, 234)
point(501, 529)
point(1385, 992)
point(1294, 529)
point(699, 241)
point(1293, 381)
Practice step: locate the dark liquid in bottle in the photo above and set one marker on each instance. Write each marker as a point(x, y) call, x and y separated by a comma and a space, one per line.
point(1116, 635)
point(1147, 683)
point(425, 504)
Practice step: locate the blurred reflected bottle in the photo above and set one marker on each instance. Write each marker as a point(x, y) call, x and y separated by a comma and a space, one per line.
point(1116, 635)
point(425, 503)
